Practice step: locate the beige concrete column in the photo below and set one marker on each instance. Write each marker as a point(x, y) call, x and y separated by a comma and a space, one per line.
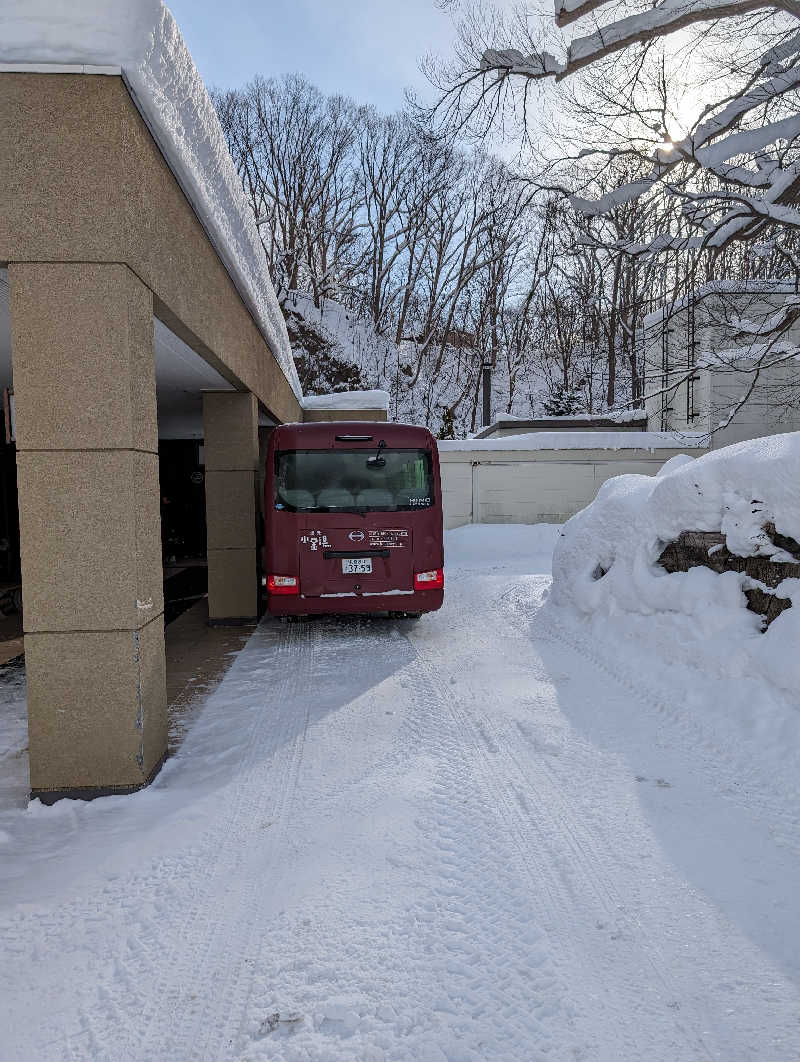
point(87, 456)
point(230, 427)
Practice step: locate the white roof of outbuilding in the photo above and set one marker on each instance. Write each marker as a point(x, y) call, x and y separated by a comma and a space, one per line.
point(582, 440)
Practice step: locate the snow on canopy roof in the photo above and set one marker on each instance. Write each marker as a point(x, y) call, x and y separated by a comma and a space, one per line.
point(348, 400)
point(142, 38)
point(583, 440)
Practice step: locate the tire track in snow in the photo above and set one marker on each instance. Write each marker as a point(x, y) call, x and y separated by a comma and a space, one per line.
point(467, 935)
point(331, 640)
point(313, 644)
point(510, 785)
point(157, 991)
point(200, 990)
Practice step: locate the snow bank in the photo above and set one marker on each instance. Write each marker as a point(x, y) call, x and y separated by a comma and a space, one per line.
point(348, 400)
point(604, 563)
point(142, 38)
point(582, 440)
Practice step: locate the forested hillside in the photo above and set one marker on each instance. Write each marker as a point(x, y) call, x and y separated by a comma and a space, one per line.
point(407, 257)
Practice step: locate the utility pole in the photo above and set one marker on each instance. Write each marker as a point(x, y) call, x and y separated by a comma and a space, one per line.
point(487, 394)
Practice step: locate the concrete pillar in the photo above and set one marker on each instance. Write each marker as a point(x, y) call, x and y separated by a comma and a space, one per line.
point(230, 428)
point(87, 458)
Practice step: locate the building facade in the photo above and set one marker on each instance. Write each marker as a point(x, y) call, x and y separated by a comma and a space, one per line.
point(714, 363)
point(121, 327)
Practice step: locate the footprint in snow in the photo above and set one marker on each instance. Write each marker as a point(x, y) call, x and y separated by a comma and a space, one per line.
point(278, 1020)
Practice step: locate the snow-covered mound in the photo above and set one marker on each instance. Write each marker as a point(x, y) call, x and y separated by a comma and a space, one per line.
point(605, 561)
point(142, 38)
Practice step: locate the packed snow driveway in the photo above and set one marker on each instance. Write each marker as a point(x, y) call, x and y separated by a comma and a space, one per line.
point(471, 837)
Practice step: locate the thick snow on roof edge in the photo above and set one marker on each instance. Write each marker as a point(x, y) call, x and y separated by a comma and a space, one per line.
point(142, 37)
point(348, 400)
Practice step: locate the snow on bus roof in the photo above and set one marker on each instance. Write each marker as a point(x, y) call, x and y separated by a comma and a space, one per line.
point(141, 40)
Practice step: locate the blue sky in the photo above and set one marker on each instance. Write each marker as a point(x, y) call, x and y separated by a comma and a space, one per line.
point(367, 49)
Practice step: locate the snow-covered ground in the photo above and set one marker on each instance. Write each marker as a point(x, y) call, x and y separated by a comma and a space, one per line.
point(495, 834)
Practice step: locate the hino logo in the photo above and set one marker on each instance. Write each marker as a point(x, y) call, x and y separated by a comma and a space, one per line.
point(356, 536)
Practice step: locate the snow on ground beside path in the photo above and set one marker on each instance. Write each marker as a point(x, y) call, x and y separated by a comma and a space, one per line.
point(472, 837)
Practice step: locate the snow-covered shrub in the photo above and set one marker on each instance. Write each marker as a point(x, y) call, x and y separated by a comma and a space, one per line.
point(606, 559)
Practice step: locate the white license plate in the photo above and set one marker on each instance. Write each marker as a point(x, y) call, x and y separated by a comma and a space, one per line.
point(357, 566)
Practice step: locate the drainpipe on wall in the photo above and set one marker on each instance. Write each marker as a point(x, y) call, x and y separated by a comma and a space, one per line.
point(487, 394)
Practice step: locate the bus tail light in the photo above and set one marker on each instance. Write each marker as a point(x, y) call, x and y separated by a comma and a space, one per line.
point(283, 584)
point(433, 580)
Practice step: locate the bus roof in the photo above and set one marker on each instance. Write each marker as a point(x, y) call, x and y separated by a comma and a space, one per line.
point(366, 433)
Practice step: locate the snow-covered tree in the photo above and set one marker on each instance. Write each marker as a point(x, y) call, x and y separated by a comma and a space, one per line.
point(672, 128)
point(740, 151)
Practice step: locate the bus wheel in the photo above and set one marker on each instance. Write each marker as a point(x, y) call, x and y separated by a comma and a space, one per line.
point(412, 615)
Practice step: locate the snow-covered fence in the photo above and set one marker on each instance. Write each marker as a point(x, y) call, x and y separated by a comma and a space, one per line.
point(544, 477)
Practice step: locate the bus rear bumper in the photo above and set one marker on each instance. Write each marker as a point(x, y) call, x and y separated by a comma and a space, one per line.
point(354, 604)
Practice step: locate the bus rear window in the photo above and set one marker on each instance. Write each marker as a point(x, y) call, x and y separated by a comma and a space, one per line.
point(342, 481)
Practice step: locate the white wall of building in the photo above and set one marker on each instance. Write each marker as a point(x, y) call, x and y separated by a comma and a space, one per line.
point(535, 486)
point(716, 392)
point(771, 408)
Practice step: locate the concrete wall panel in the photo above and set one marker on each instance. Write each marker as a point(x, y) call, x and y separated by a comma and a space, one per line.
point(230, 510)
point(230, 429)
point(61, 169)
point(232, 478)
point(535, 486)
point(232, 585)
point(82, 345)
point(76, 680)
point(91, 546)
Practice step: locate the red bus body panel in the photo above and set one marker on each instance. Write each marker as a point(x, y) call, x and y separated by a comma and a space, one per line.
point(401, 543)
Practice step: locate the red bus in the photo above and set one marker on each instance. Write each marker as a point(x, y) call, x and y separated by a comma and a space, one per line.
point(353, 520)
